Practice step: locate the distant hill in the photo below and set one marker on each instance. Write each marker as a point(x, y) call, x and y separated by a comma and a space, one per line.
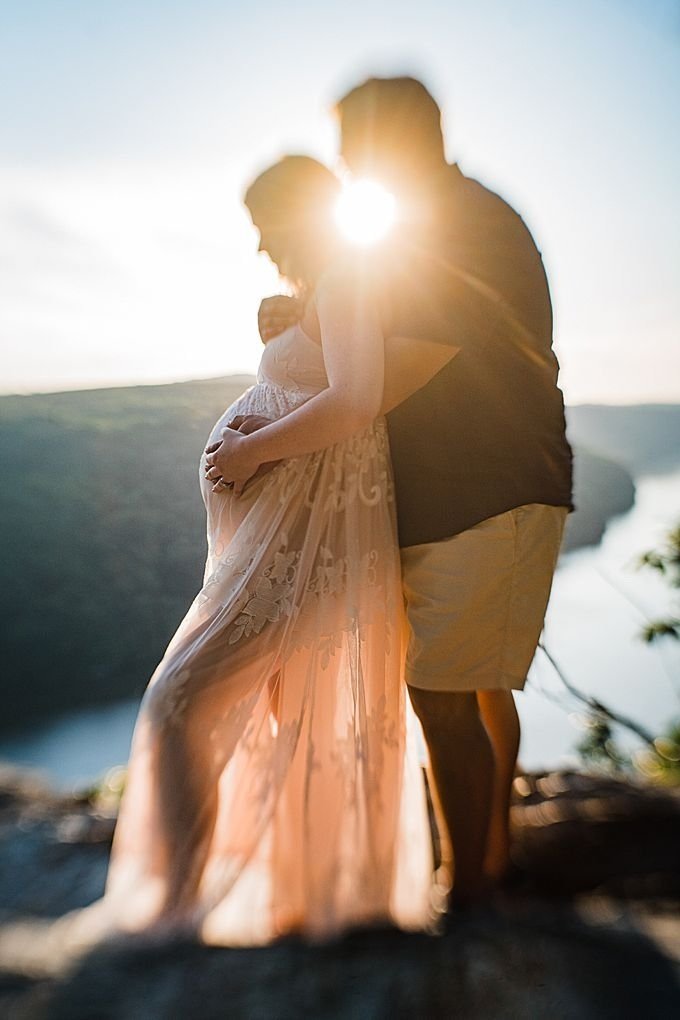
point(103, 533)
point(644, 438)
point(602, 490)
point(613, 446)
point(104, 529)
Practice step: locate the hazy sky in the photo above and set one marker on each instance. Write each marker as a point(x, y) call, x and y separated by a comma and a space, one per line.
point(129, 129)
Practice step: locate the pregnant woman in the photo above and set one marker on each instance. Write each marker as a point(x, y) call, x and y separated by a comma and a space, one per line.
point(272, 786)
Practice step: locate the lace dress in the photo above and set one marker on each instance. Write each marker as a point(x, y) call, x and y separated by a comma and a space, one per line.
point(273, 784)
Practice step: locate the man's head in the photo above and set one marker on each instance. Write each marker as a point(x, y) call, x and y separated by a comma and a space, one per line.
point(391, 128)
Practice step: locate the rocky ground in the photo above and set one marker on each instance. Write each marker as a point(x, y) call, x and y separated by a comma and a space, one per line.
point(590, 929)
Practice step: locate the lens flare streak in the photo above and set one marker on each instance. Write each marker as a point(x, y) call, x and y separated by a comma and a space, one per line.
point(365, 212)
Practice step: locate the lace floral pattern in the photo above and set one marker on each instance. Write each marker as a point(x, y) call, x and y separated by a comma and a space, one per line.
point(269, 754)
point(271, 598)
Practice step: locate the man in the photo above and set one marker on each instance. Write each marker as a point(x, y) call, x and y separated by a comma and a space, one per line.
point(483, 469)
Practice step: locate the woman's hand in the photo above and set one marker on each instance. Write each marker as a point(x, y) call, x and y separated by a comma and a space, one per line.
point(231, 462)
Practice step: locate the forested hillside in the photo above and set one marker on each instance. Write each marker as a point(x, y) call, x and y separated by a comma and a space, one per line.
point(103, 536)
point(103, 533)
point(645, 438)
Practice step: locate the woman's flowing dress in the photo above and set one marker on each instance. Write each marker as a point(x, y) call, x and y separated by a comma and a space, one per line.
point(273, 784)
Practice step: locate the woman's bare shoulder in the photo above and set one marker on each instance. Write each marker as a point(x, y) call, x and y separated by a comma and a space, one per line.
point(355, 270)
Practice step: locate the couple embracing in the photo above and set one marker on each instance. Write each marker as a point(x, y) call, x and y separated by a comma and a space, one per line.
point(385, 508)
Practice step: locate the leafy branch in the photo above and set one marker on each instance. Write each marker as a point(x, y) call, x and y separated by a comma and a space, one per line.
point(660, 757)
point(597, 707)
point(666, 561)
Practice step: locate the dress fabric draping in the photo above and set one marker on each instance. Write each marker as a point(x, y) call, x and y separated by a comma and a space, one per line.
point(273, 784)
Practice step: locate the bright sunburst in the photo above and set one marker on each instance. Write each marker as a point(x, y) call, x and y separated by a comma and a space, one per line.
point(365, 211)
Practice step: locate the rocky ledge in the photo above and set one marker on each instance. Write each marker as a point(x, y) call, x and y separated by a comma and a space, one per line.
point(589, 929)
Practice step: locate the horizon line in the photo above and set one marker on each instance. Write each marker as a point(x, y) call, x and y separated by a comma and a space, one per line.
point(89, 388)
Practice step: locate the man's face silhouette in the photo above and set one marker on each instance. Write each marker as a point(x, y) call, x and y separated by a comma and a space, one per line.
point(366, 154)
point(390, 130)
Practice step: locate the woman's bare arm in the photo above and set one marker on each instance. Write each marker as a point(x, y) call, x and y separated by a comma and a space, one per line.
point(353, 351)
point(354, 356)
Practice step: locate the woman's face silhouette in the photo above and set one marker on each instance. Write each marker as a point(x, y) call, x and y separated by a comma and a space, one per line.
point(287, 245)
point(275, 241)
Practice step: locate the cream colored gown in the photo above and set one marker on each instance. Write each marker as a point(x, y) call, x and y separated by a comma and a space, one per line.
point(273, 784)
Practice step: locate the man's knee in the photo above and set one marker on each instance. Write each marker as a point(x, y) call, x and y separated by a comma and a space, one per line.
point(444, 711)
point(497, 702)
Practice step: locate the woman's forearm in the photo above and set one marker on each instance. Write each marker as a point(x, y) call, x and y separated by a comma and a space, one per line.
point(354, 359)
point(325, 419)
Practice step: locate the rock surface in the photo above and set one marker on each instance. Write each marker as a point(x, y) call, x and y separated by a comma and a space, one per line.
point(589, 930)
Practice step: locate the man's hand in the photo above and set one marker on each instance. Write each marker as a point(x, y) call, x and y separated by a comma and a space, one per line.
point(277, 314)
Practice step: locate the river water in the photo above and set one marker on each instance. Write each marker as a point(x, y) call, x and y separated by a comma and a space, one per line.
point(598, 605)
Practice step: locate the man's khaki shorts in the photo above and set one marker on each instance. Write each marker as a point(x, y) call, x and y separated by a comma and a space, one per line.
point(476, 602)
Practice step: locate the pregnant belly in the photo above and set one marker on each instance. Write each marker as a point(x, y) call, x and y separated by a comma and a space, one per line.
point(263, 398)
point(226, 512)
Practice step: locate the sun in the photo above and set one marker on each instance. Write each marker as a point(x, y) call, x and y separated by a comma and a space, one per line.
point(365, 211)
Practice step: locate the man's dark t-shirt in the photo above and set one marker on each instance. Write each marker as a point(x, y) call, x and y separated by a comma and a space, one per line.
point(487, 433)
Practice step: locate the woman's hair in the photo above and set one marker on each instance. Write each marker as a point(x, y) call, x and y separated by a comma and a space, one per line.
point(296, 195)
point(295, 186)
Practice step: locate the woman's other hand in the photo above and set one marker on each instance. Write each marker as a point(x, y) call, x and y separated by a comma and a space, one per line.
point(231, 462)
point(246, 424)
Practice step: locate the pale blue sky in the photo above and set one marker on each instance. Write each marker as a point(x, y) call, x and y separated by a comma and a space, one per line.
point(129, 130)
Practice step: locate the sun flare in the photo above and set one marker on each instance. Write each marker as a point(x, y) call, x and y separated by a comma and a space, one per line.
point(365, 211)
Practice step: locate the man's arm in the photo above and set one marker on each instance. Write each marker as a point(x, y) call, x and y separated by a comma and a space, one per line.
point(410, 364)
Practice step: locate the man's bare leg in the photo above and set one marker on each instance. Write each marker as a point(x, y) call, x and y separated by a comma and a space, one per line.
point(499, 715)
point(462, 773)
